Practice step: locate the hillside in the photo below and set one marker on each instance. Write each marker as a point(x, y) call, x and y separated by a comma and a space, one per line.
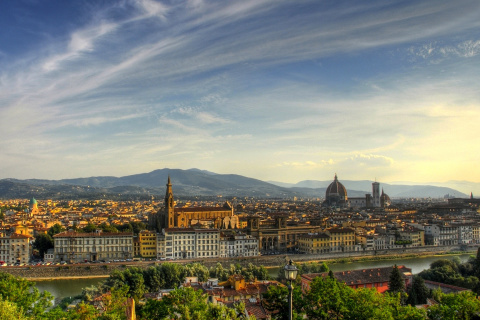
point(195, 182)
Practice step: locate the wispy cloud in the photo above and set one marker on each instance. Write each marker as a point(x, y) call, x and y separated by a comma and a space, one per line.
point(435, 51)
point(269, 81)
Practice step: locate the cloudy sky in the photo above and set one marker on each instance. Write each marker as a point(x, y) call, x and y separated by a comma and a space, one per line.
point(270, 89)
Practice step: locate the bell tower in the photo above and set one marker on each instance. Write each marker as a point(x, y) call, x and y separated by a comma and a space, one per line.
point(169, 206)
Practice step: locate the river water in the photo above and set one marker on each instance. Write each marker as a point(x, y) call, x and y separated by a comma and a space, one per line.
point(72, 287)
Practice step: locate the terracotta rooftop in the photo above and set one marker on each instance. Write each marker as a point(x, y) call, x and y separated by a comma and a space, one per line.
point(361, 276)
point(200, 209)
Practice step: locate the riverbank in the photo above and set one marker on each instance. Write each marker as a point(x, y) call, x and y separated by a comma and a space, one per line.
point(86, 271)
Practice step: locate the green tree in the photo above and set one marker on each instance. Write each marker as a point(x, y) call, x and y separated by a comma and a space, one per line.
point(9, 310)
point(461, 306)
point(153, 309)
point(327, 299)
point(56, 228)
point(90, 227)
point(396, 282)
point(476, 264)
point(185, 303)
point(24, 294)
point(132, 278)
point(107, 228)
point(418, 292)
point(42, 243)
point(275, 301)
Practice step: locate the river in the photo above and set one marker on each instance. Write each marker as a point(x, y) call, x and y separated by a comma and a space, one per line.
point(72, 287)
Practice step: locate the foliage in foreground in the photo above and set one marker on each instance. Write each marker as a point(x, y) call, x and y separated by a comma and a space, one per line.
point(466, 275)
point(330, 299)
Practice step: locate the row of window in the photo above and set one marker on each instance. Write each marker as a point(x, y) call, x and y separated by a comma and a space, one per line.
point(82, 241)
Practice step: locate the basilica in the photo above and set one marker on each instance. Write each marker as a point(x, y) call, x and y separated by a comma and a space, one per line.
point(187, 217)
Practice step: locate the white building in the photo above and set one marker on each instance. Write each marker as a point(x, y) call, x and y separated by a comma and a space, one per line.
point(465, 233)
point(238, 245)
point(96, 246)
point(189, 243)
point(448, 235)
point(15, 248)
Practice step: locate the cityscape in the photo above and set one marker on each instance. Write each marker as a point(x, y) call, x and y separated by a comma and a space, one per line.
point(242, 159)
point(45, 234)
point(331, 223)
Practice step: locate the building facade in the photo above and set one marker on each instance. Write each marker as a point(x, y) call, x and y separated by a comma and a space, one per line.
point(147, 242)
point(189, 243)
point(314, 243)
point(15, 248)
point(73, 246)
point(176, 217)
point(238, 245)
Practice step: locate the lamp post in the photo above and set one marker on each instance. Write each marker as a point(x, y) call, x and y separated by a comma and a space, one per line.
point(290, 274)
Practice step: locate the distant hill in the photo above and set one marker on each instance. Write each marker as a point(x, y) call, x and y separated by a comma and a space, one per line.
point(186, 183)
point(196, 182)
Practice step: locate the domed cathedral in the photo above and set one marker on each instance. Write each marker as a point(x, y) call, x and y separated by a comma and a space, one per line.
point(212, 217)
point(336, 195)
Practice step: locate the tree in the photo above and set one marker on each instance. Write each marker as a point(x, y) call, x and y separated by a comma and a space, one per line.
point(153, 309)
point(185, 303)
point(476, 263)
point(461, 306)
point(107, 228)
point(327, 299)
point(42, 243)
point(56, 228)
point(90, 227)
point(275, 299)
point(418, 292)
point(24, 294)
point(396, 283)
point(9, 310)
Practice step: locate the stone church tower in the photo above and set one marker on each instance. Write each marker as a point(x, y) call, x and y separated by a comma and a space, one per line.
point(168, 215)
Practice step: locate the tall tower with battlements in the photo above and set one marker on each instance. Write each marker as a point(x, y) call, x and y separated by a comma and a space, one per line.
point(376, 194)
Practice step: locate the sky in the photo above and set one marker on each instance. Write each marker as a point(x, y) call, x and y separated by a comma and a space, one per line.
point(269, 89)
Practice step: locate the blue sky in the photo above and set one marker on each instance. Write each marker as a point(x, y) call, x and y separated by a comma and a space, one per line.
point(275, 90)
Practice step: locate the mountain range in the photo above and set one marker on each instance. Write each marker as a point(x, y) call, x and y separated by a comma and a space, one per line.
point(198, 183)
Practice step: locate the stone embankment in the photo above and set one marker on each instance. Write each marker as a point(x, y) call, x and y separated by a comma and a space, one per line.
point(103, 270)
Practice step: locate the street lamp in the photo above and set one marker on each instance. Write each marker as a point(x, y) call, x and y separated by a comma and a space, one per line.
point(290, 274)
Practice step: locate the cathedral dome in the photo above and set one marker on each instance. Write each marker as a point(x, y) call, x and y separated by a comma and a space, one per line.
point(336, 194)
point(336, 189)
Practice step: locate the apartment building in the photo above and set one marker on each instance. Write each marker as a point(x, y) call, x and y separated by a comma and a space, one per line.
point(476, 233)
point(73, 246)
point(147, 241)
point(15, 248)
point(465, 233)
point(342, 239)
point(448, 235)
point(314, 243)
point(415, 237)
point(189, 243)
point(238, 245)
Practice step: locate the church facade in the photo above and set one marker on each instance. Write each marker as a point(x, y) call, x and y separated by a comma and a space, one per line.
point(177, 217)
